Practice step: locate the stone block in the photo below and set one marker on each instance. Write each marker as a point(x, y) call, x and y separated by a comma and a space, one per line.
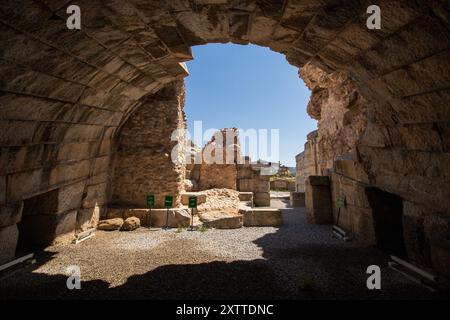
point(297, 199)
point(8, 243)
point(319, 208)
point(226, 222)
point(10, 214)
point(246, 196)
point(263, 218)
point(156, 217)
point(261, 199)
point(22, 185)
point(177, 218)
point(69, 197)
point(96, 196)
point(351, 169)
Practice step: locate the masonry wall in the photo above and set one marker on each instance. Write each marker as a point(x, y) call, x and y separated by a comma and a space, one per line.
point(220, 156)
point(250, 179)
point(357, 154)
point(143, 159)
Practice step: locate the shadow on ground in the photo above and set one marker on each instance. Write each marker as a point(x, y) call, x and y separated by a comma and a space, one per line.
point(312, 266)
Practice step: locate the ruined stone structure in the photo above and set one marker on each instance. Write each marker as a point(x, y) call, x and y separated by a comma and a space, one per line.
point(223, 166)
point(252, 179)
point(220, 158)
point(65, 95)
point(299, 176)
point(143, 162)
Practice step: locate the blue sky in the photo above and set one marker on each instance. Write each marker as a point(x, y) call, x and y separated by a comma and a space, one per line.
point(248, 87)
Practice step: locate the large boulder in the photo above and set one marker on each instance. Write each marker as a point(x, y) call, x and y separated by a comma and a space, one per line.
point(110, 224)
point(131, 223)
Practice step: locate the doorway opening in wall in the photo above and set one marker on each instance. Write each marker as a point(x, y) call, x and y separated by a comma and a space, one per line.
point(37, 227)
point(255, 90)
point(387, 211)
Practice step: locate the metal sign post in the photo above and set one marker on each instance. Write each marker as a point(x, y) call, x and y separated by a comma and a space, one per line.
point(168, 203)
point(341, 202)
point(150, 205)
point(193, 205)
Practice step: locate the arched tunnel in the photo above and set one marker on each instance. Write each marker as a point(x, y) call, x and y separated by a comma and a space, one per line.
point(84, 113)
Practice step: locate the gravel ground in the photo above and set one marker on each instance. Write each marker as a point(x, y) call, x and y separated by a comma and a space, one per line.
point(296, 261)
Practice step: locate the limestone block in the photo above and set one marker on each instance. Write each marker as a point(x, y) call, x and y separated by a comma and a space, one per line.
point(261, 199)
point(156, 217)
point(21, 185)
point(318, 200)
point(297, 199)
point(8, 243)
point(225, 222)
point(177, 218)
point(101, 165)
point(10, 214)
point(95, 196)
point(69, 197)
point(67, 172)
point(65, 226)
point(246, 196)
point(263, 218)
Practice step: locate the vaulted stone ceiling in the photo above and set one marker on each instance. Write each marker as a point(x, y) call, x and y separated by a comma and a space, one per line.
point(64, 93)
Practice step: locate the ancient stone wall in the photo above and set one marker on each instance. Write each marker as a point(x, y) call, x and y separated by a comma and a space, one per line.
point(220, 156)
point(340, 111)
point(346, 148)
point(143, 161)
point(250, 179)
point(299, 176)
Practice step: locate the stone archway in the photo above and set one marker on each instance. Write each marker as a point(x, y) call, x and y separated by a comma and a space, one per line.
point(65, 93)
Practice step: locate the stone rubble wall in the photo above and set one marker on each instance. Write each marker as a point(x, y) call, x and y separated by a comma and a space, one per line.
point(143, 160)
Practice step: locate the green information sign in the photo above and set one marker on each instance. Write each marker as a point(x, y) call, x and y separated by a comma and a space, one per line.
point(150, 201)
point(341, 202)
point(168, 201)
point(193, 202)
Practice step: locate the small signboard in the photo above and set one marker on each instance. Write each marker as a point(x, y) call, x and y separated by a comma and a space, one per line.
point(168, 202)
point(150, 201)
point(193, 202)
point(341, 202)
